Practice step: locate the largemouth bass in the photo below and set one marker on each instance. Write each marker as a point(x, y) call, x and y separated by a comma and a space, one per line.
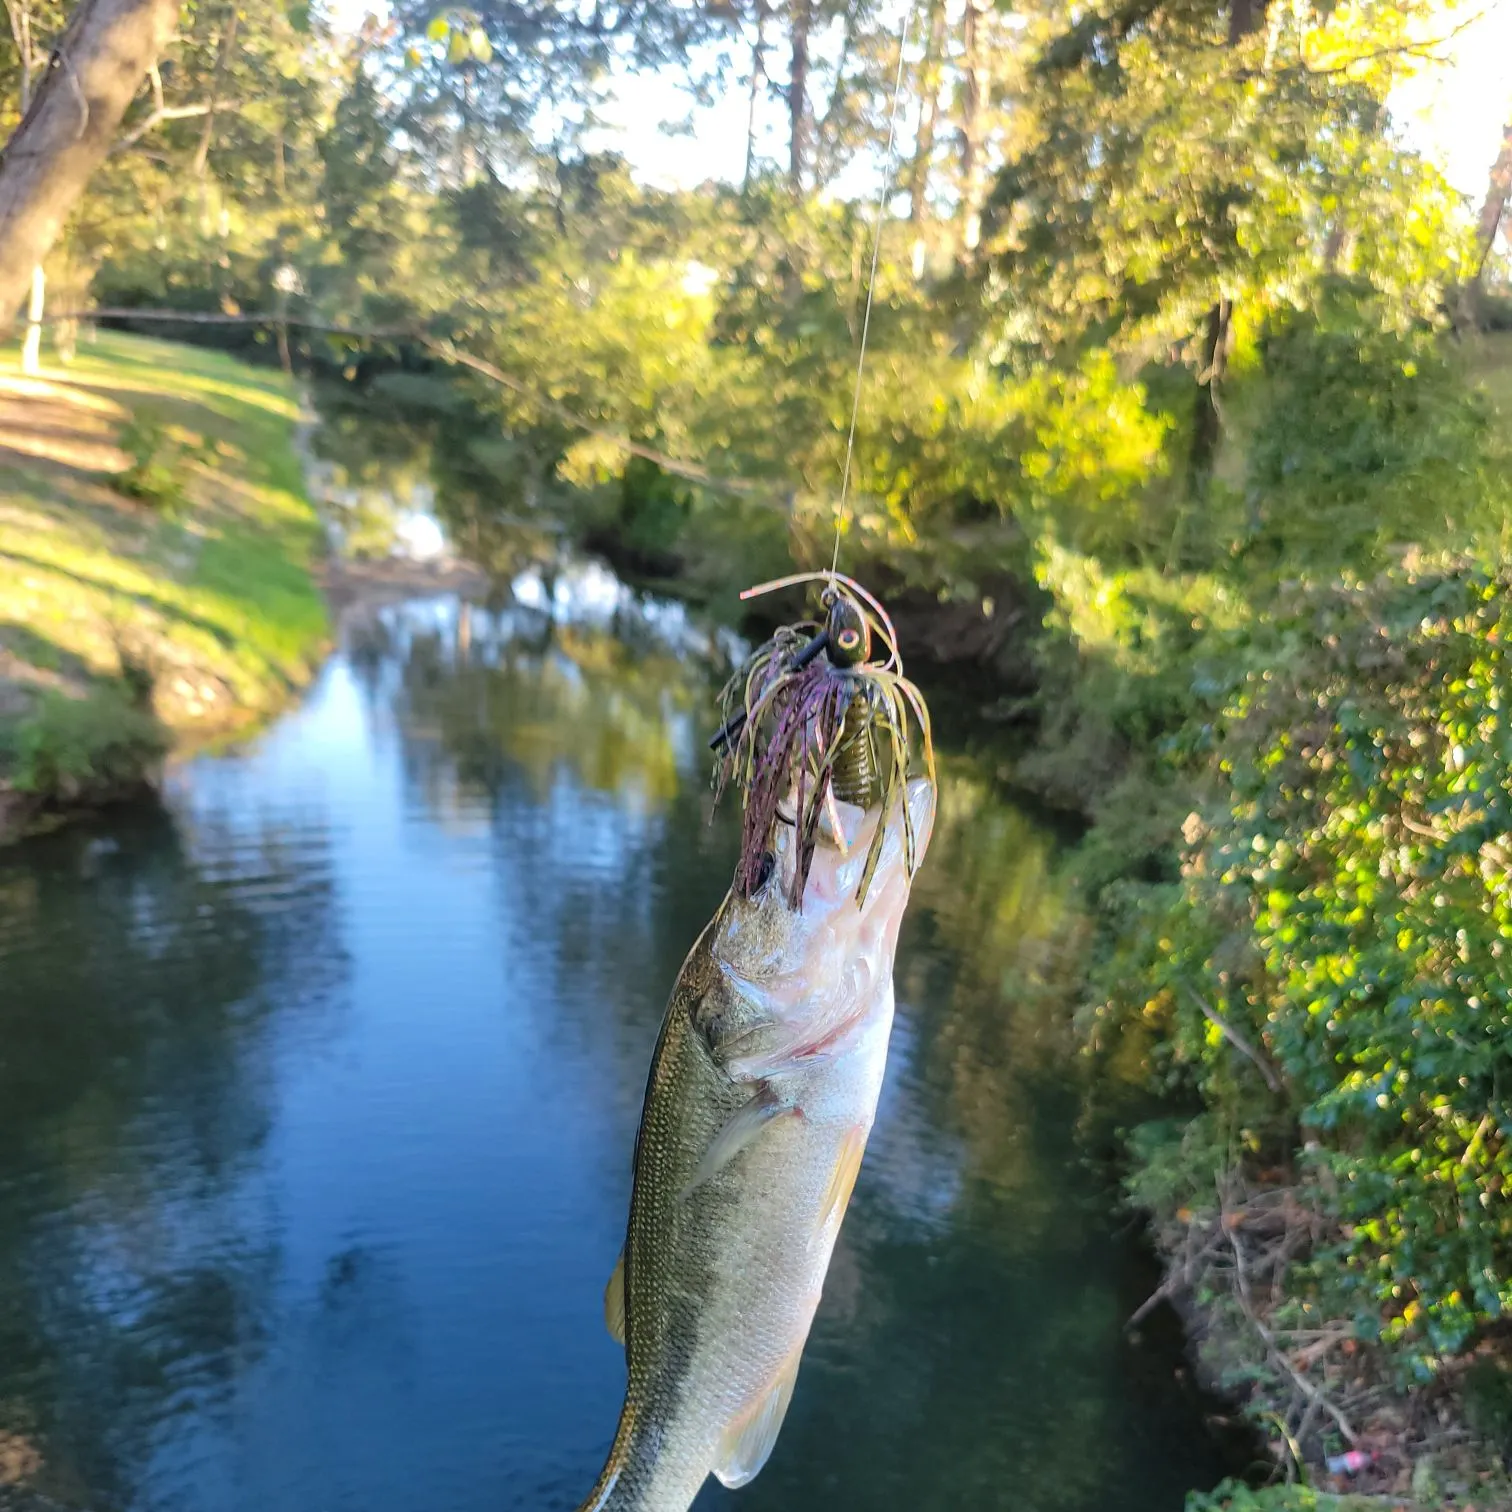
point(762, 1093)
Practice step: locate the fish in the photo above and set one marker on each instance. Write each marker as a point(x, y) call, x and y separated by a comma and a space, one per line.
point(762, 1092)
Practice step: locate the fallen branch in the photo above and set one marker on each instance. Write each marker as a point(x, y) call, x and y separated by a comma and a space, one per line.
point(1178, 1278)
point(1242, 1292)
point(1151, 1302)
point(1237, 1040)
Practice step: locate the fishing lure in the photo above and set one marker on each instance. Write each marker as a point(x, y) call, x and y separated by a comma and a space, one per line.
point(820, 713)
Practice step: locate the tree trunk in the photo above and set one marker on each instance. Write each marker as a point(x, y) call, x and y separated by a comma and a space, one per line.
point(758, 78)
point(36, 307)
point(801, 13)
point(1245, 18)
point(973, 120)
point(1498, 192)
point(467, 145)
point(1207, 419)
point(924, 141)
point(222, 63)
point(75, 113)
point(929, 105)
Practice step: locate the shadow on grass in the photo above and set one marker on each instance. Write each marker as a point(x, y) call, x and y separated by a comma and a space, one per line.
point(240, 648)
point(44, 653)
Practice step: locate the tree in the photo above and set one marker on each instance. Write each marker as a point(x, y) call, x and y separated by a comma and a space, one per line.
point(501, 84)
point(974, 89)
point(840, 57)
point(1244, 19)
point(800, 19)
point(24, 35)
point(927, 83)
point(1494, 207)
point(92, 76)
point(1181, 157)
point(757, 80)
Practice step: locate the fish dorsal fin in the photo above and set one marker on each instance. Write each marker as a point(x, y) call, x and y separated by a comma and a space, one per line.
point(747, 1443)
point(743, 1126)
point(614, 1300)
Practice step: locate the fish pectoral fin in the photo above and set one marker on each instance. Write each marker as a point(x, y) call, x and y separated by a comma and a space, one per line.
point(837, 1193)
point(743, 1127)
point(747, 1444)
point(614, 1300)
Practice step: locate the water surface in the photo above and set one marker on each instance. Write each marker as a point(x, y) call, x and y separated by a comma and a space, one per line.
point(318, 1088)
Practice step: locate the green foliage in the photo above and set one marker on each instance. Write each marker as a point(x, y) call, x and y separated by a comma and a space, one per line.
point(1171, 154)
point(1487, 1393)
point(1495, 311)
point(1235, 1496)
point(1345, 907)
point(79, 750)
point(1173, 1157)
point(156, 473)
point(1363, 437)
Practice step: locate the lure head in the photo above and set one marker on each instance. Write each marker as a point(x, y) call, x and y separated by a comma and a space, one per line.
point(847, 635)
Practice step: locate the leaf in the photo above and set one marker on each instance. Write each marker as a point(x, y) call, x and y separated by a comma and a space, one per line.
point(438, 29)
point(481, 47)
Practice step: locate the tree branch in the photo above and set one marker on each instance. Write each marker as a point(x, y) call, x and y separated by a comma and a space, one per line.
point(1237, 1040)
point(446, 352)
point(222, 63)
point(167, 113)
point(1406, 49)
point(1242, 1291)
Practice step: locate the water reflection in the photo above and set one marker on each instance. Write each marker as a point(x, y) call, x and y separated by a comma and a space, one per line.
point(136, 987)
point(317, 1096)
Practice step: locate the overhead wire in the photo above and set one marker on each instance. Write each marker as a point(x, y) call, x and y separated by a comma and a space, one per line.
point(889, 163)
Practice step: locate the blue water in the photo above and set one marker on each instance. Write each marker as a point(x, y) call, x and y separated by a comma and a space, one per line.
point(317, 1093)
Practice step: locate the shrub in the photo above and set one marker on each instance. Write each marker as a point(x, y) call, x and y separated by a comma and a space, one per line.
point(1235, 1496)
point(83, 749)
point(1346, 908)
point(1364, 437)
point(157, 472)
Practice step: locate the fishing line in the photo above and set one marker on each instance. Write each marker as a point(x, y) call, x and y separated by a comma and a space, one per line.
point(889, 162)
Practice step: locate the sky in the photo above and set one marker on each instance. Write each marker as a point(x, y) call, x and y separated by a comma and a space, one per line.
point(1454, 111)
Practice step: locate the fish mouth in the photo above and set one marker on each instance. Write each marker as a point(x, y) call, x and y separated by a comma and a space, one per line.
point(845, 837)
point(821, 970)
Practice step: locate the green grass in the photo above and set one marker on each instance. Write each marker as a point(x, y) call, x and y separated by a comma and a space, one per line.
point(154, 531)
point(1488, 360)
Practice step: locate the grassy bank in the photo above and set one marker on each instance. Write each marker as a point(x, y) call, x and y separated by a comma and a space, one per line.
point(156, 548)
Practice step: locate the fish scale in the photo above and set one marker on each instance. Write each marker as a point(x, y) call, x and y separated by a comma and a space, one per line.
point(762, 1091)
